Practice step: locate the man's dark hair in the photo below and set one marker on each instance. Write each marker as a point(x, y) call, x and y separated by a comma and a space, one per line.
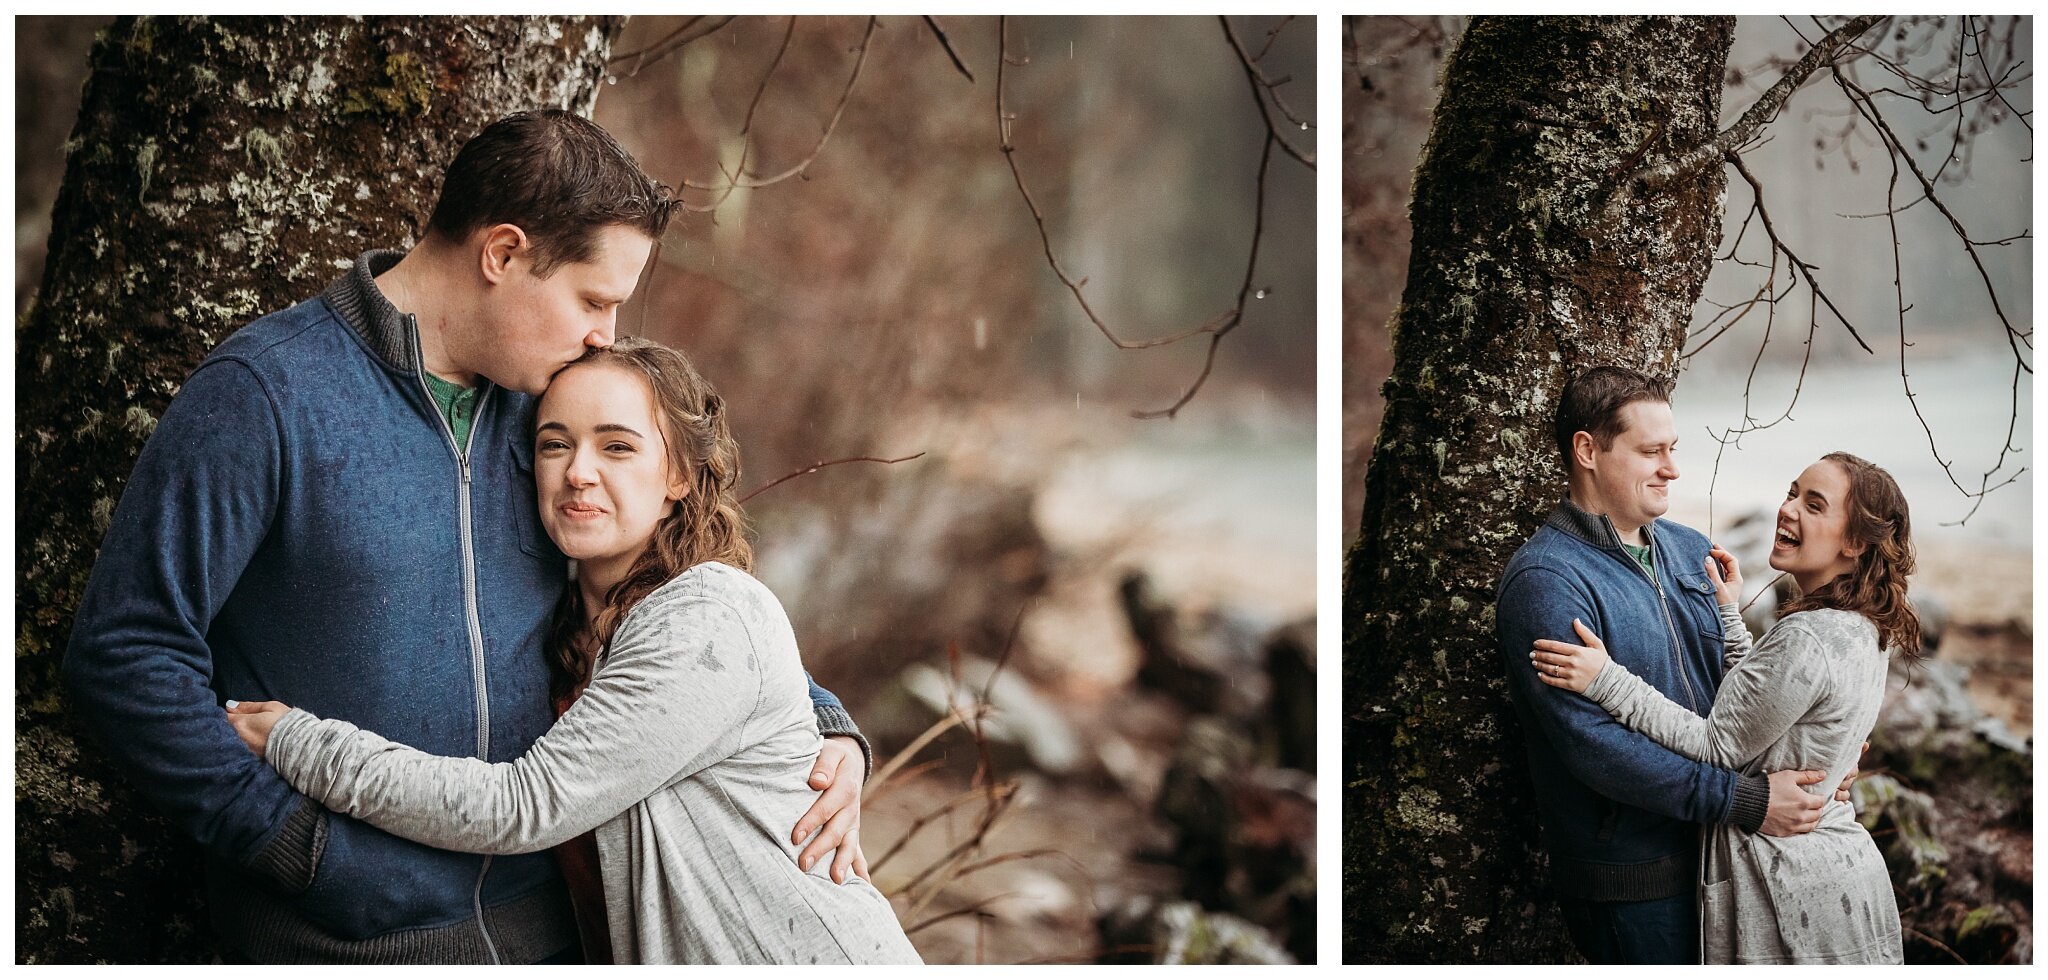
point(558, 176)
point(1593, 403)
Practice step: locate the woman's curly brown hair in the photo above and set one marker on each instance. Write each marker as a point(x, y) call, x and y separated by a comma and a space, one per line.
point(706, 525)
point(1878, 519)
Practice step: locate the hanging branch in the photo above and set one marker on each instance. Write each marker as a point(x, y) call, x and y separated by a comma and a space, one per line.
point(746, 127)
point(866, 38)
point(1263, 89)
point(1216, 327)
point(1897, 152)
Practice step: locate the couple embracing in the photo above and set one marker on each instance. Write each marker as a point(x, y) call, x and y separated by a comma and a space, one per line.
point(1670, 749)
point(333, 633)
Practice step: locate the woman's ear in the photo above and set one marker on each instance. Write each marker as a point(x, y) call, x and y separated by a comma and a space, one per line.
point(678, 487)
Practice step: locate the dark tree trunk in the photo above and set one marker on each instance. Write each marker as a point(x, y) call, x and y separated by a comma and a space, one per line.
point(220, 169)
point(1532, 259)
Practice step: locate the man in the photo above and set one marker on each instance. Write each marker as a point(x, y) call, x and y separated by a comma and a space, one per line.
point(337, 511)
point(1620, 813)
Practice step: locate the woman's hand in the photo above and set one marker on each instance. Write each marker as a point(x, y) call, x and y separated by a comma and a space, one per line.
point(253, 720)
point(839, 772)
point(1726, 575)
point(1564, 665)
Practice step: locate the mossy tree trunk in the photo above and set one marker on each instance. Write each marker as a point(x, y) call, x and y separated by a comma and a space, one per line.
point(1532, 259)
point(219, 169)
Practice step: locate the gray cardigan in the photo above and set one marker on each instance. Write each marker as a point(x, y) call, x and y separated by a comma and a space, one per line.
point(688, 753)
point(1805, 697)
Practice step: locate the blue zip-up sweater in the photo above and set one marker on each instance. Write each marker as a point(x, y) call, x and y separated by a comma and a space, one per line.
point(1620, 813)
point(301, 527)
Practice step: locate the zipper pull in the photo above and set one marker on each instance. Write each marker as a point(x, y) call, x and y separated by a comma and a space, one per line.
point(463, 459)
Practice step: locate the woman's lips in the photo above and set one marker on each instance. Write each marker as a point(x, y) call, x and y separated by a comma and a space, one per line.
point(580, 511)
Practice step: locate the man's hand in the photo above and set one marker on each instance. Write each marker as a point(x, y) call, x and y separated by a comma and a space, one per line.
point(839, 772)
point(1793, 811)
point(253, 721)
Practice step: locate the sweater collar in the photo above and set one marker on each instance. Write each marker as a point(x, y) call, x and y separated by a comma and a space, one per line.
point(360, 304)
point(1594, 529)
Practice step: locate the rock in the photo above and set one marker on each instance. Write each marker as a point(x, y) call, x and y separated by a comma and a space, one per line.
point(1954, 816)
point(1210, 663)
point(1246, 834)
point(1182, 932)
point(1291, 709)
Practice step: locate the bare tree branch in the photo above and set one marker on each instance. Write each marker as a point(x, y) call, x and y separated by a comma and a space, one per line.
point(821, 464)
point(1661, 175)
point(692, 29)
point(937, 32)
point(1218, 326)
point(1262, 88)
point(866, 38)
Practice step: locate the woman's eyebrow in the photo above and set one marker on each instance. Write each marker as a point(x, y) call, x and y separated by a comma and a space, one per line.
point(615, 427)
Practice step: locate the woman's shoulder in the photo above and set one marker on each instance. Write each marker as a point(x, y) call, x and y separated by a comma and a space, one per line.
point(716, 584)
point(1829, 628)
point(713, 580)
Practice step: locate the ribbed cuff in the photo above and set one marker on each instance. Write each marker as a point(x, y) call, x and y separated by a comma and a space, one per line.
point(833, 720)
point(1596, 882)
point(1752, 802)
point(291, 857)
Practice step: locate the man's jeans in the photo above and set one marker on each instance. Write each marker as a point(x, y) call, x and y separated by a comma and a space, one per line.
point(1663, 930)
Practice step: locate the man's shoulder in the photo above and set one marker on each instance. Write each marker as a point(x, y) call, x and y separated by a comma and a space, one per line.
point(277, 336)
point(1548, 554)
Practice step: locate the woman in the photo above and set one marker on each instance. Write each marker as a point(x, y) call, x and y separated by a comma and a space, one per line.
point(688, 729)
point(1804, 697)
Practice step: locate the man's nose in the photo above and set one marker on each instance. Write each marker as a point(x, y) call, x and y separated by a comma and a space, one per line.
point(604, 335)
point(1670, 468)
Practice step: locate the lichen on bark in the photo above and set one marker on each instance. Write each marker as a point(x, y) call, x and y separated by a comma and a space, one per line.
point(1530, 262)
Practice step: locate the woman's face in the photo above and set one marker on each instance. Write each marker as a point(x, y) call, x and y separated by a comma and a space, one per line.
point(601, 464)
point(1812, 542)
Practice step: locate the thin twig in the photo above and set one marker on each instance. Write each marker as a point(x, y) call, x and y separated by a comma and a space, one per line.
point(821, 464)
point(937, 32)
point(1261, 88)
point(693, 29)
point(846, 95)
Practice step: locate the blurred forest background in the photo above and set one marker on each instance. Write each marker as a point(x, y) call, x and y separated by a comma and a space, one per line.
point(1948, 786)
point(1134, 597)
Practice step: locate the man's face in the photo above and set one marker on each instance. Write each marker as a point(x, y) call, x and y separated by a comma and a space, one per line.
point(1631, 477)
point(537, 326)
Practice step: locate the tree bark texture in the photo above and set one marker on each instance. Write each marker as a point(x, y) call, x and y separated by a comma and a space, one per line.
point(1531, 262)
point(219, 170)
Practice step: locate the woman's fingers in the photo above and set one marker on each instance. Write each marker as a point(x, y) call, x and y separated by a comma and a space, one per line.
point(1586, 634)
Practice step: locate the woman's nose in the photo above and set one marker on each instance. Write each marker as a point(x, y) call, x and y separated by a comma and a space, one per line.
point(581, 471)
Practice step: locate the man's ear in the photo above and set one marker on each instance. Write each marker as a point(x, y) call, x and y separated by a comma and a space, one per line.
point(498, 245)
point(1583, 448)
